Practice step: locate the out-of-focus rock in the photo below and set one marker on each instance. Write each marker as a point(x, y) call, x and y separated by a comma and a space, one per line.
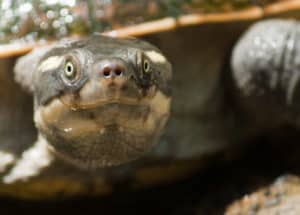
point(280, 198)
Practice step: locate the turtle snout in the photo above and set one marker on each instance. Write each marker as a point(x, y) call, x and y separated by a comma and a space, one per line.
point(112, 72)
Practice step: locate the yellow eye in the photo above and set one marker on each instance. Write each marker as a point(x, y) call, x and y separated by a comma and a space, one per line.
point(69, 70)
point(146, 66)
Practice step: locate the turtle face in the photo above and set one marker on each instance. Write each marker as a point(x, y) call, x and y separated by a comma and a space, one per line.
point(102, 101)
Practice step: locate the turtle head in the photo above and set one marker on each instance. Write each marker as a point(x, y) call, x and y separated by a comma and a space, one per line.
point(102, 101)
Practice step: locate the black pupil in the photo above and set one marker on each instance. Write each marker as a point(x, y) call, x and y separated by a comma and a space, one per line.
point(69, 68)
point(146, 65)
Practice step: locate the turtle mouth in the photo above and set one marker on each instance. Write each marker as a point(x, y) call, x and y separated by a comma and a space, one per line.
point(93, 95)
point(78, 105)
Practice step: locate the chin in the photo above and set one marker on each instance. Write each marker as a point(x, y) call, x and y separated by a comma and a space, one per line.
point(106, 135)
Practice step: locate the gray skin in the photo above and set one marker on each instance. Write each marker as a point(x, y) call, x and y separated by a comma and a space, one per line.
point(266, 72)
point(101, 101)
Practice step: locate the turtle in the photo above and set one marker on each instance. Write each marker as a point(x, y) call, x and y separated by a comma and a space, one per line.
point(207, 116)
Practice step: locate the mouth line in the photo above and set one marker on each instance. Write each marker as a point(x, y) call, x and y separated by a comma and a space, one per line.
point(102, 102)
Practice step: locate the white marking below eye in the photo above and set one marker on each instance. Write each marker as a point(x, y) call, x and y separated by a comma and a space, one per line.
point(50, 63)
point(156, 57)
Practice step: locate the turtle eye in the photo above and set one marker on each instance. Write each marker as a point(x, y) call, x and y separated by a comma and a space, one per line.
point(70, 70)
point(146, 66)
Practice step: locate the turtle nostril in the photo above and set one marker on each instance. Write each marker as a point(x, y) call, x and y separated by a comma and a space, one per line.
point(118, 72)
point(111, 69)
point(106, 72)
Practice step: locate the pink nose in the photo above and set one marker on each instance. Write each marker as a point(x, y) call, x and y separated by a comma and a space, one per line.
point(112, 69)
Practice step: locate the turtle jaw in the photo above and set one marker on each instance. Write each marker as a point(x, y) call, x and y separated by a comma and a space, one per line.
point(104, 132)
